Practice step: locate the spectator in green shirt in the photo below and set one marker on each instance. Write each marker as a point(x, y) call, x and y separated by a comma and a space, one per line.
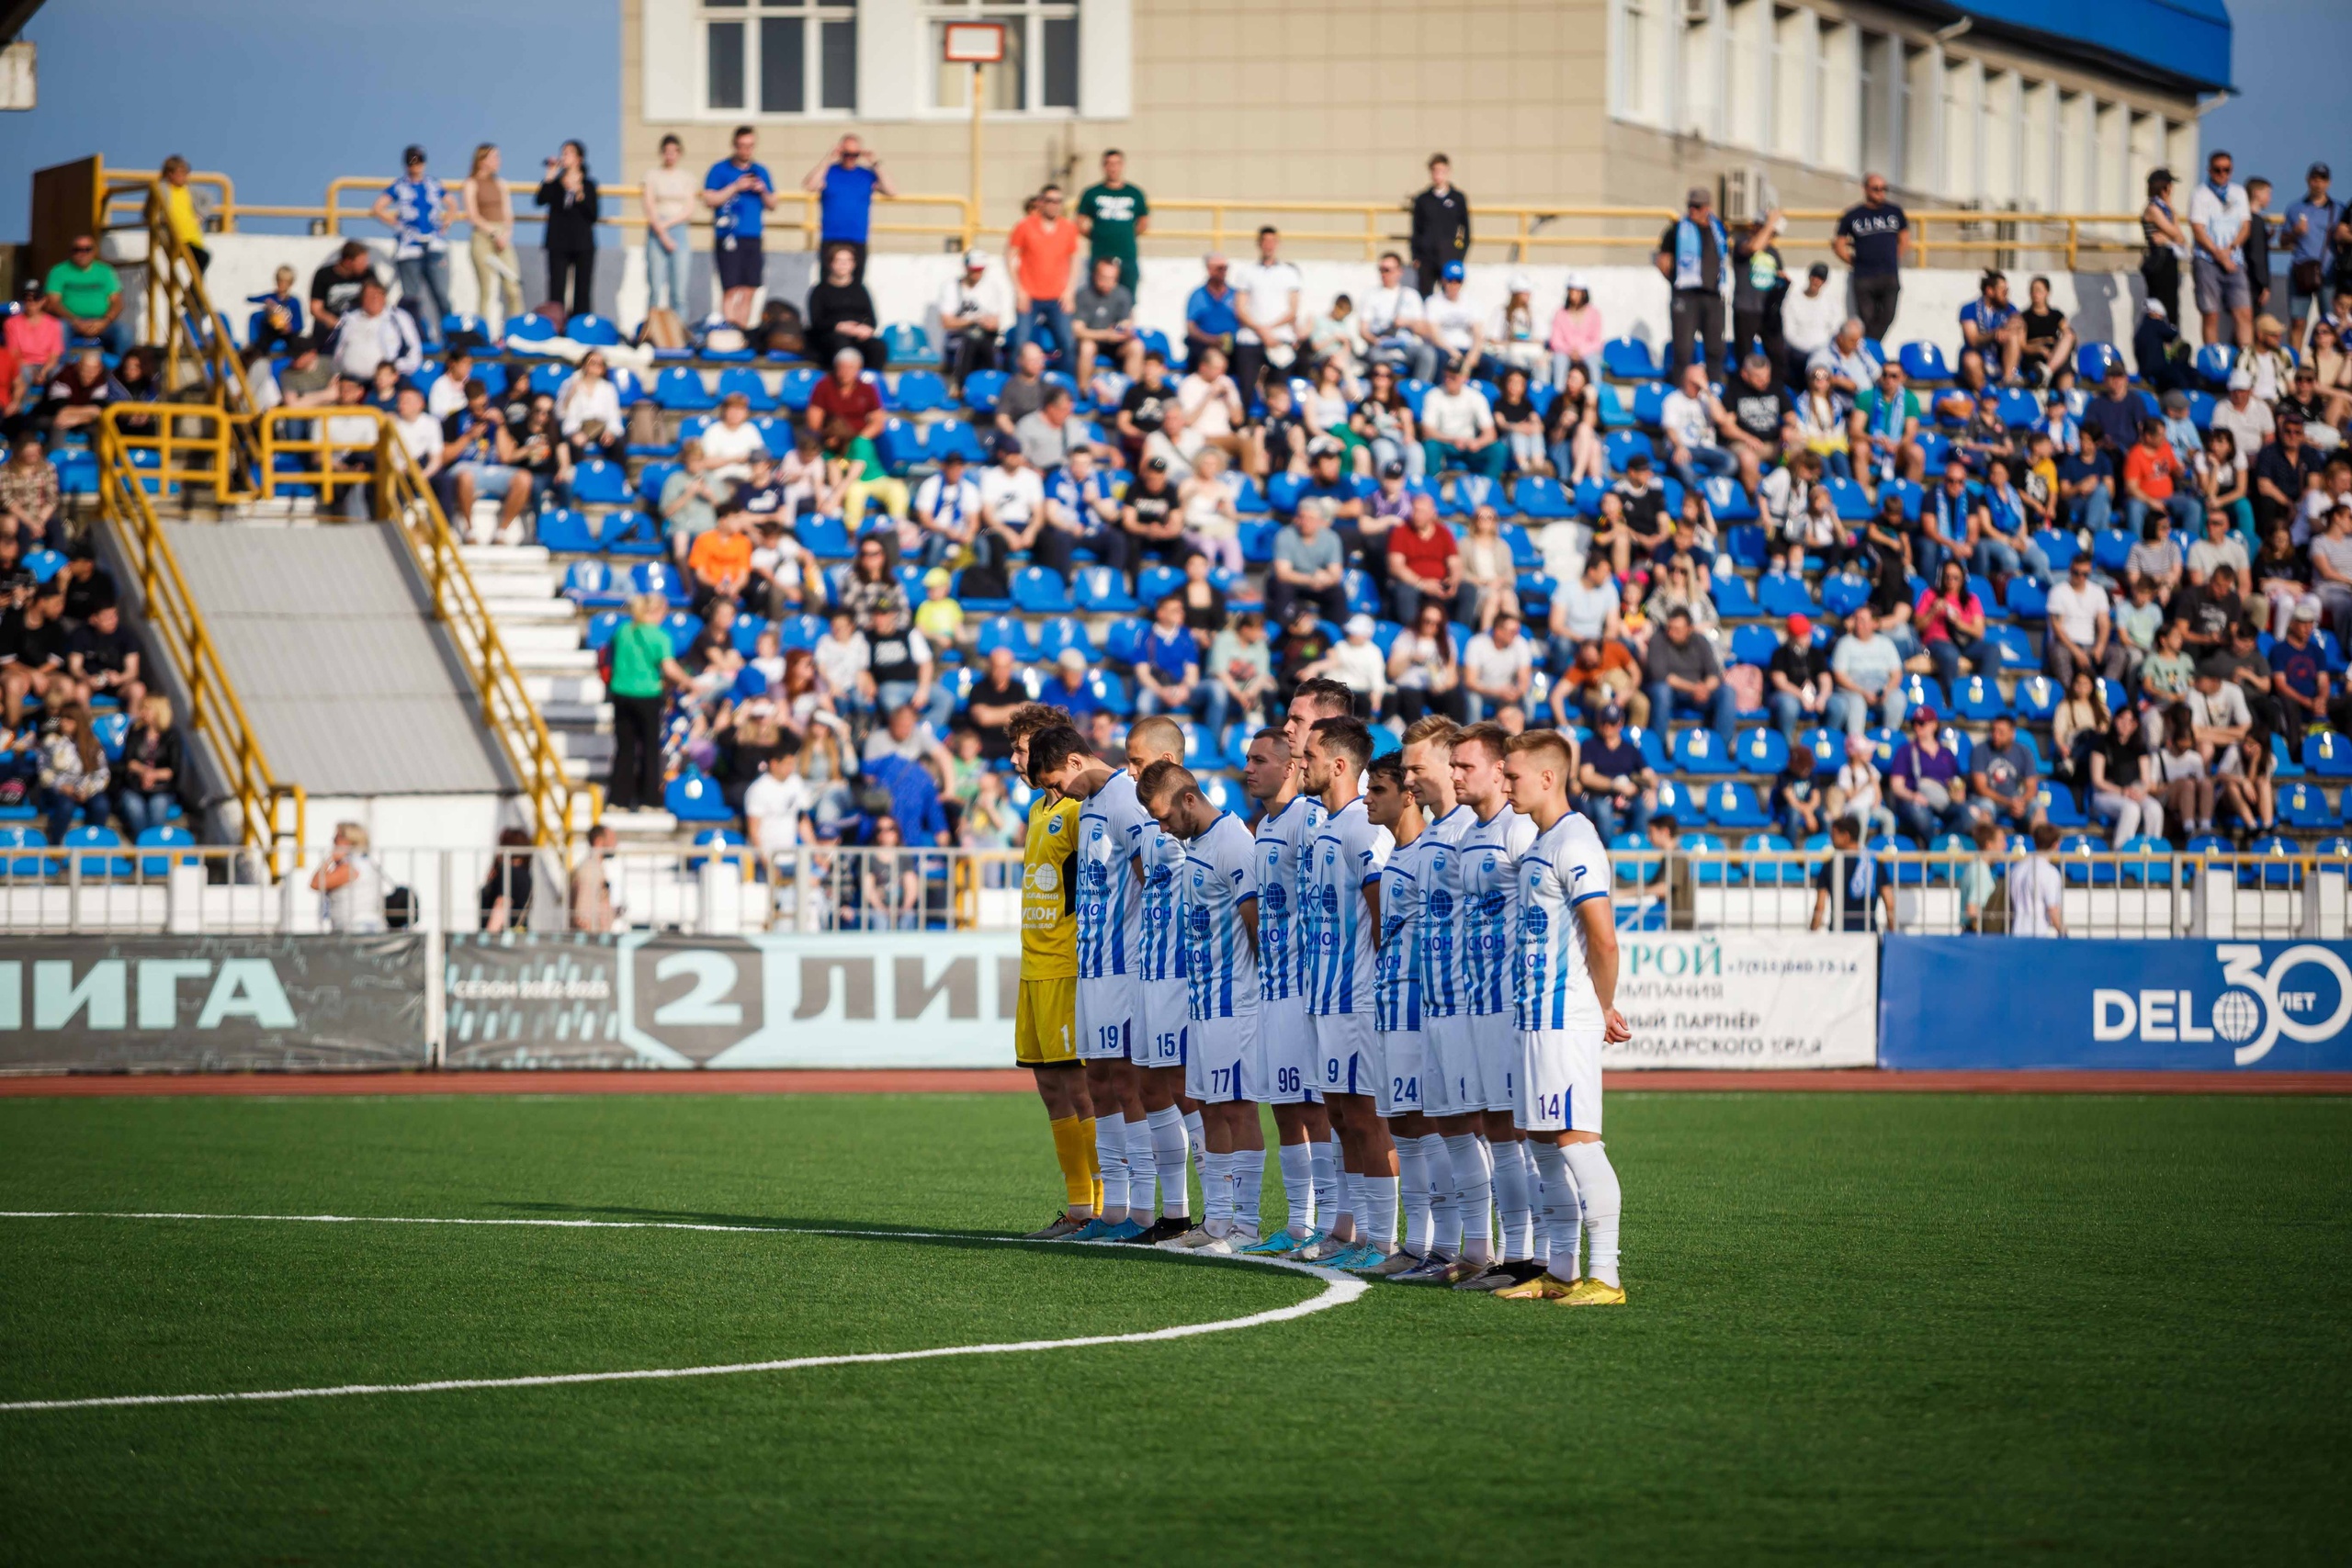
point(85, 292)
point(1113, 214)
point(644, 663)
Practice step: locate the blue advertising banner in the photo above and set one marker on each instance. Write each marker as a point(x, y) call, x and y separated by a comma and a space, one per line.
point(2212, 1006)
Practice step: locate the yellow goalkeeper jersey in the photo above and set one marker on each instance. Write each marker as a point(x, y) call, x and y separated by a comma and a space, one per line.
point(1048, 893)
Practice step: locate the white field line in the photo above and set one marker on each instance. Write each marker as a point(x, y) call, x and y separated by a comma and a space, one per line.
point(1338, 1290)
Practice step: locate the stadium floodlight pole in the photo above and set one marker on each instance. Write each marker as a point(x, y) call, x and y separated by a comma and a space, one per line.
point(978, 45)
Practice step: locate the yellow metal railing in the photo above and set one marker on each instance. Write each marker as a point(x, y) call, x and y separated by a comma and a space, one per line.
point(192, 331)
point(270, 809)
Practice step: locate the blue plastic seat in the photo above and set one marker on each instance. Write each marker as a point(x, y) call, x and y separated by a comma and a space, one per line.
point(1733, 600)
point(2303, 804)
point(1154, 583)
point(1761, 750)
point(1101, 588)
point(2214, 360)
point(1674, 800)
point(1844, 593)
point(2058, 805)
point(1784, 595)
point(100, 865)
point(600, 482)
point(981, 389)
point(591, 585)
point(1728, 501)
point(745, 383)
point(164, 837)
point(23, 838)
point(1629, 360)
point(797, 386)
point(680, 390)
point(1619, 445)
point(694, 796)
point(2017, 647)
point(921, 391)
point(1040, 592)
point(526, 332)
point(1751, 644)
point(2092, 359)
point(2329, 756)
point(1003, 631)
point(546, 380)
point(906, 343)
point(1698, 751)
point(1923, 689)
point(1652, 745)
point(1734, 805)
point(1065, 633)
point(1540, 496)
point(2285, 870)
point(1853, 503)
point(1745, 544)
point(593, 330)
point(659, 577)
point(1924, 362)
point(1710, 872)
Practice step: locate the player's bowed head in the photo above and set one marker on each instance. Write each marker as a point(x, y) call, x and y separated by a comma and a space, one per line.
point(1168, 791)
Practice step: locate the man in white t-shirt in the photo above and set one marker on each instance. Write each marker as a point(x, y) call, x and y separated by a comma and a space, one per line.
point(2038, 890)
point(418, 430)
point(2218, 215)
point(1810, 318)
point(1012, 505)
point(1458, 428)
point(447, 394)
point(974, 306)
point(1498, 667)
point(1449, 322)
point(2246, 417)
point(1266, 305)
point(728, 446)
point(1689, 416)
point(2081, 633)
point(777, 802)
point(947, 508)
point(1391, 316)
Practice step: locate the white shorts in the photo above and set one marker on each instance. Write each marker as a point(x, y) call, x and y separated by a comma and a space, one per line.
point(1286, 1067)
point(1159, 1034)
point(1452, 1082)
point(1221, 1057)
point(1110, 1017)
point(1495, 1041)
point(1346, 1061)
point(1559, 1080)
point(1396, 1082)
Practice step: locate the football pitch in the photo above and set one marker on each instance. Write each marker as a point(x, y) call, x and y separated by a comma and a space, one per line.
point(1861, 1326)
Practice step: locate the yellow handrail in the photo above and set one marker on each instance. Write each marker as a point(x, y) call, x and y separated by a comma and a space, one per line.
point(180, 633)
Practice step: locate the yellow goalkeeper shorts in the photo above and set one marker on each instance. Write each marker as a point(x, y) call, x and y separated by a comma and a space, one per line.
point(1044, 1023)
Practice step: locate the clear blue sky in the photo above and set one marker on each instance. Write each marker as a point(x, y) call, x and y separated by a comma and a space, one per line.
point(284, 95)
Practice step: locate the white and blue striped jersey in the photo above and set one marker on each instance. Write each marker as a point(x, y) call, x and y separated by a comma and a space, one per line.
point(1161, 954)
point(1567, 866)
point(1487, 869)
point(1337, 925)
point(1219, 877)
point(1396, 971)
point(1281, 839)
point(1110, 924)
point(1444, 990)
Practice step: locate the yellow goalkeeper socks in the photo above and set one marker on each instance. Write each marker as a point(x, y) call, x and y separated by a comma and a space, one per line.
point(1074, 1152)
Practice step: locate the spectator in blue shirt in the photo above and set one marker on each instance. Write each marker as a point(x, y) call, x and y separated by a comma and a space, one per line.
point(740, 193)
point(1992, 325)
point(914, 799)
point(845, 181)
point(1069, 690)
point(1209, 319)
point(1168, 674)
point(417, 208)
point(2309, 228)
point(2086, 484)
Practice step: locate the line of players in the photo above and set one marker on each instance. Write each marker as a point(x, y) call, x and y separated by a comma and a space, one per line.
point(1412, 962)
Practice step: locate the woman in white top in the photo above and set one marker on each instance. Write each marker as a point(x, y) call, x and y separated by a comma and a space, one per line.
point(1423, 668)
point(1512, 340)
point(1326, 404)
point(1858, 792)
point(1212, 524)
point(496, 280)
point(1212, 404)
point(669, 198)
point(2038, 890)
point(589, 409)
point(1488, 569)
point(352, 885)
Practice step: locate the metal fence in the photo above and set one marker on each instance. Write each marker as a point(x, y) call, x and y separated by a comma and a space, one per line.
point(728, 889)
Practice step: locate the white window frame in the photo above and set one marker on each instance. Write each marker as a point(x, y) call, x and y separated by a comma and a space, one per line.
point(1033, 14)
point(814, 14)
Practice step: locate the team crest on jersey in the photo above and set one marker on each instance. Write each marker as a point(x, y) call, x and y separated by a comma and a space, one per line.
point(1200, 879)
point(1487, 865)
point(1053, 826)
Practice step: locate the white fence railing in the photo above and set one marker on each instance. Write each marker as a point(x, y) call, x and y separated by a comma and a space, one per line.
point(728, 890)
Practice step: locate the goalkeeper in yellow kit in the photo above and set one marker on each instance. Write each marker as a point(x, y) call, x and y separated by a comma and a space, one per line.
point(1044, 1028)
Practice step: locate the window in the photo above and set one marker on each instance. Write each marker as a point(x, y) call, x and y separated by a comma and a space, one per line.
point(1039, 71)
point(1923, 117)
point(1838, 71)
point(1962, 82)
point(1880, 96)
point(2037, 148)
point(1794, 38)
point(1746, 90)
point(1998, 176)
point(1699, 96)
point(780, 57)
point(1641, 59)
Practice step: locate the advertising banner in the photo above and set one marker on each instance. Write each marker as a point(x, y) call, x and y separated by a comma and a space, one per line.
point(1746, 1000)
point(211, 1004)
point(916, 1000)
point(2212, 1006)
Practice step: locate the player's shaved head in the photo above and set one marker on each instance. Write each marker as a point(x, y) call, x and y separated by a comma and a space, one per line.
point(1266, 771)
point(1155, 737)
point(1159, 781)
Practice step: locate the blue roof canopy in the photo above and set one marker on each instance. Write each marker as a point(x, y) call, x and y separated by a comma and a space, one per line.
point(2185, 42)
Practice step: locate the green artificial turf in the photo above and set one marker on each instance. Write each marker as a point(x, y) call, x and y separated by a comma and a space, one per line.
point(1863, 1327)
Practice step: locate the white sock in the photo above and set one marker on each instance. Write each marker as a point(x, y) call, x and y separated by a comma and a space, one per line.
point(1249, 1175)
point(1473, 1179)
point(1562, 1214)
point(1111, 1153)
point(1512, 1200)
point(1325, 1209)
point(1602, 1200)
point(1298, 1187)
point(1142, 1171)
point(1445, 1198)
point(1413, 1187)
point(1197, 1139)
point(1168, 1150)
point(1352, 1210)
point(1540, 1233)
point(1216, 1192)
point(1380, 1201)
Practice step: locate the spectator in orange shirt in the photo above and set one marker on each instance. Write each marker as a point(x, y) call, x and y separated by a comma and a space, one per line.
point(1040, 249)
point(2154, 480)
point(721, 559)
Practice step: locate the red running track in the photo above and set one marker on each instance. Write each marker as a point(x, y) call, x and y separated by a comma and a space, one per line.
point(1864, 1080)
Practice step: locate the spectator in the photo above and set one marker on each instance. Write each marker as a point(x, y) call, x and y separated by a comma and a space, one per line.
point(334, 287)
point(728, 446)
point(1390, 316)
point(1441, 224)
point(418, 209)
point(778, 803)
point(740, 193)
point(351, 884)
point(2217, 216)
point(1277, 442)
point(101, 656)
point(855, 473)
point(1691, 417)
point(2155, 560)
point(1884, 431)
point(1600, 674)
point(374, 333)
point(1040, 250)
point(2155, 487)
point(1212, 524)
point(842, 317)
point(1797, 684)
point(419, 431)
point(1639, 524)
point(1858, 794)
point(1012, 507)
point(1930, 795)
point(1424, 670)
point(1103, 318)
point(669, 198)
point(720, 561)
point(1424, 563)
point(1050, 436)
point(1168, 669)
point(2003, 521)
point(1810, 320)
point(1239, 679)
point(2331, 563)
point(2245, 776)
point(542, 453)
point(901, 671)
point(1572, 433)
point(1383, 421)
point(85, 296)
point(1868, 671)
point(1618, 789)
point(1458, 428)
point(1497, 668)
point(1082, 505)
point(568, 192)
point(2137, 621)
point(973, 309)
point(1489, 580)
point(1267, 313)
point(2047, 352)
point(180, 214)
point(152, 763)
point(1113, 215)
point(845, 181)
point(2037, 889)
point(2254, 250)
point(1450, 322)
point(2080, 633)
point(1151, 520)
point(1820, 422)
point(1211, 319)
point(29, 497)
point(1853, 366)
point(1759, 285)
point(1683, 668)
point(2300, 678)
point(947, 509)
point(1354, 662)
point(846, 396)
point(2218, 715)
point(1799, 806)
point(2086, 485)
point(1214, 409)
point(1308, 564)
point(1692, 256)
point(1507, 339)
point(2158, 350)
point(1758, 424)
point(642, 665)
point(1991, 325)
point(1869, 240)
point(588, 410)
point(2168, 672)
point(2284, 473)
point(1863, 892)
point(2308, 229)
point(844, 658)
point(2124, 779)
point(478, 463)
point(2168, 244)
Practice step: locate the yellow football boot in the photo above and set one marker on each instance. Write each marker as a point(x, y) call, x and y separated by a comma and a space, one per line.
point(1543, 1288)
point(1592, 1293)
